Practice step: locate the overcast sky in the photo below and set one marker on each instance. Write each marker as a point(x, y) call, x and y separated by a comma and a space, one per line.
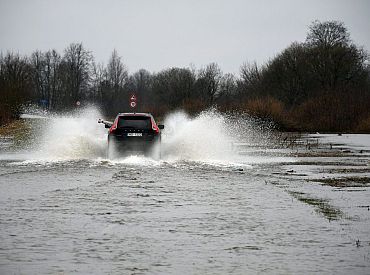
point(157, 34)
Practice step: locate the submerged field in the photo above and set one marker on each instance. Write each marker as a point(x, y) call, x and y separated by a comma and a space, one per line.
point(221, 200)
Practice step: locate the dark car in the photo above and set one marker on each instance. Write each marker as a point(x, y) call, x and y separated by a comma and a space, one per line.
point(133, 133)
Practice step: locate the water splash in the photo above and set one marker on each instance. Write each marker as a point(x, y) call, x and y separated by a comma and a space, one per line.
point(207, 138)
point(135, 160)
point(74, 136)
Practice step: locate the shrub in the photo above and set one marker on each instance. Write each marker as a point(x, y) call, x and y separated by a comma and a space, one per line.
point(364, 125)
point(269, 109)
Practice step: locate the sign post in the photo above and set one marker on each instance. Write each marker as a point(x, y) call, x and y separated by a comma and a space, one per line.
point(133, 101)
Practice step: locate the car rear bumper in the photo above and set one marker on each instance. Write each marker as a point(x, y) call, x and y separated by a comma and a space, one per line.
point(124, 144)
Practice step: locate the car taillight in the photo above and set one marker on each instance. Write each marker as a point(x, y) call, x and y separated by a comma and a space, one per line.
point(155, 127)
point(113, 127)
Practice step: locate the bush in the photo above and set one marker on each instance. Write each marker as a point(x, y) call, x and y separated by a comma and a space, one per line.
point(193, 106)
point(364, 125)
point(330, 112)
point(269, 109)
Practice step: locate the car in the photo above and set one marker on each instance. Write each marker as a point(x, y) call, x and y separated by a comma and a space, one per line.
point(133, 133)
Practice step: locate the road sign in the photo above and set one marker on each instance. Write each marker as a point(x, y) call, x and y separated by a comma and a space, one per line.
point(132, 104)
point(133, 99)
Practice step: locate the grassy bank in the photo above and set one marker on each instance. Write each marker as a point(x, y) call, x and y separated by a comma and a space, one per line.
point(322, 114)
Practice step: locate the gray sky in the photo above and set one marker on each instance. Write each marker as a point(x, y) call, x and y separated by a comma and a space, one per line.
point(157, 34)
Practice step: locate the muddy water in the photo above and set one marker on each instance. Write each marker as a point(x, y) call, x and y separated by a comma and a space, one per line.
point(214, 203)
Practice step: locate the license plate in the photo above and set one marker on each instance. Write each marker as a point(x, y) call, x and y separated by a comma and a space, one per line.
point(134, 134)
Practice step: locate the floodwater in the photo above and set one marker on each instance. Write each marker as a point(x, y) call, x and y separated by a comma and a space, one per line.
point(228, 196)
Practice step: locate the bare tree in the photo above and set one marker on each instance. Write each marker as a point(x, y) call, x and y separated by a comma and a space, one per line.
point(45, 68)
point(114, 92)
point(55, 83)
point(117, 73)
point(287, 76)
point(98, 78)
point(250, 73)
point(334, 61)
point(172, 87)
point(15, 85)
point(208, 82)
point(327, 34)
point(37, 63)
point(140, 83)
point(77, 64)
point(249, 84)
point(228, 90)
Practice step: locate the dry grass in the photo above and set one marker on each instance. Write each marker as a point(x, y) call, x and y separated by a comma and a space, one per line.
point(346, 181)
point(321, 206)
point(12, 128)
point(364, 125)
point(193, 106)
point(268, 108)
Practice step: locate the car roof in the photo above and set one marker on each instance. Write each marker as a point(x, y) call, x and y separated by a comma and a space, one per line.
point(135, 114)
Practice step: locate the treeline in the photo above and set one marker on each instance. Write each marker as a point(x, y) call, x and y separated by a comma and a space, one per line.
point(321, 84)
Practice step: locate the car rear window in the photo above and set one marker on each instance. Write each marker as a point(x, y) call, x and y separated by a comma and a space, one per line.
point(134, 122)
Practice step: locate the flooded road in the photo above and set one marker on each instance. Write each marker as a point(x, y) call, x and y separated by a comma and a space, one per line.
point(214, 204)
